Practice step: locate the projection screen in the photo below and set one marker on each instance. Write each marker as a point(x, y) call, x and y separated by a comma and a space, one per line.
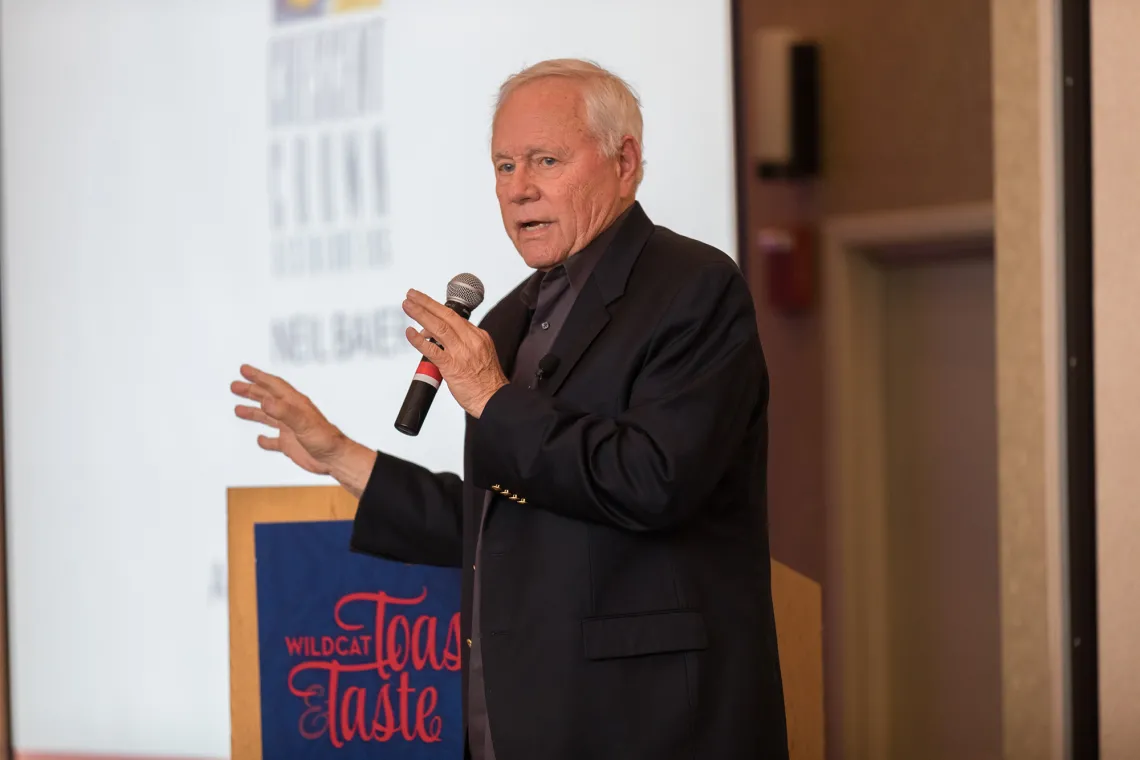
point(188, 186)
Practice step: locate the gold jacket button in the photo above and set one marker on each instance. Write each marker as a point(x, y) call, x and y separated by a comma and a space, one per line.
point(468, 642)
point(496, 487)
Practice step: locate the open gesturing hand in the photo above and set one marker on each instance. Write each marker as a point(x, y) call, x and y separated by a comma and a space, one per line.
point(304, 435)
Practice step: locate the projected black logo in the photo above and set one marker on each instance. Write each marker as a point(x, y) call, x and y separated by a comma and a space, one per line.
point(327, 157)
point(340, 336)
point(328, 179)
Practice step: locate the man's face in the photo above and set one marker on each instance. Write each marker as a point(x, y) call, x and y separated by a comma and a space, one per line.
point(556, 190)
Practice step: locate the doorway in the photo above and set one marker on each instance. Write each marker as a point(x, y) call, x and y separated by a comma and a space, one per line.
point(912, 584)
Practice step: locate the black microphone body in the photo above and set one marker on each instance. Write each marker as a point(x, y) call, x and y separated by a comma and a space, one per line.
point(464, 293)
point(547, 366)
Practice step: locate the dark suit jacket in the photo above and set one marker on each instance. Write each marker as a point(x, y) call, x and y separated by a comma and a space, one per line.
point(627, 605)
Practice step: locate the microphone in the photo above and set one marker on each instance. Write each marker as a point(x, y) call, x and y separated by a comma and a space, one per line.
point(464, 294)
point(547, 366)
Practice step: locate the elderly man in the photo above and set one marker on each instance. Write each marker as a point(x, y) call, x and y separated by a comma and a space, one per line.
point(611, 522)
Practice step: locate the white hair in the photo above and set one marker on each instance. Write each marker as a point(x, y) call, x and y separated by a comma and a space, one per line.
point(613, 109)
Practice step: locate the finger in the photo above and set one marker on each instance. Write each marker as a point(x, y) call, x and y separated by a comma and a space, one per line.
point(426, 347)
point(430, 337)
point(268, 443)
point(429, 303)
point(298, 418)
point(271, 383)
point(437, 310)
point(276, 409)
point(254, 414)
point(246, 390)
point(431, 322)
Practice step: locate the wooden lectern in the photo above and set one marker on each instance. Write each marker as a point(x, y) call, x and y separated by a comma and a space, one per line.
point(797, 601)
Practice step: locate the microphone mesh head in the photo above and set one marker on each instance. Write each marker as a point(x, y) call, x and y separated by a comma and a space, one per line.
point(465, 289)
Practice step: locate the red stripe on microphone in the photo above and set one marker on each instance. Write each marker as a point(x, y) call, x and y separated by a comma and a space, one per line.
point(429, 369)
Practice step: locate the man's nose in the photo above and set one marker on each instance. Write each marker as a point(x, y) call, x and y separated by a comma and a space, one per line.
point(520, 187)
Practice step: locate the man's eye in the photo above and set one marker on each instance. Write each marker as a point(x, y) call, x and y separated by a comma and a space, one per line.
point(549, 161)
point(506, 168)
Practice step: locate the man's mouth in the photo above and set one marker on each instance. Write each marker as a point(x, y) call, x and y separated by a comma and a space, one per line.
point(534, 224)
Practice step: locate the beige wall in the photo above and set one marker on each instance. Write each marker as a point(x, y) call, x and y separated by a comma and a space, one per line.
point(1029, 368)
point(881, 106)
point(906, 98)
point(906, 123)
point(1116, 173)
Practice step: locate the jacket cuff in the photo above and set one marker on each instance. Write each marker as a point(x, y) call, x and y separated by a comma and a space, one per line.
point(507, 437)
point(369, 519)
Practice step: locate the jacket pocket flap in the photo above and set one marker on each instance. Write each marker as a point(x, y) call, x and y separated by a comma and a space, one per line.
point(644, 633)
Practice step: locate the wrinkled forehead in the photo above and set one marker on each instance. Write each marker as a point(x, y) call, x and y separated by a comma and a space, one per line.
point(545, 110)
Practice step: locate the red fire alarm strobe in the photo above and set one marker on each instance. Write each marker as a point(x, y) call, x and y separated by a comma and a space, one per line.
point(787, 259)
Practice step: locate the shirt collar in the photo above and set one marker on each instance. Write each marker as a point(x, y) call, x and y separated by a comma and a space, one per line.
point(578, 267)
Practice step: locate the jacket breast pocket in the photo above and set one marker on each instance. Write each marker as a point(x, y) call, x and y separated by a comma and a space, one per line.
point(644, 633)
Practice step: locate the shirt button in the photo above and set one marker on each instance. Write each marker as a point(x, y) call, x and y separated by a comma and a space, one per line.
point(545, 325)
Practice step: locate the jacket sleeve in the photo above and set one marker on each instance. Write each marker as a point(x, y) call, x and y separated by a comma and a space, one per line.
point(699, 391)
point(409, 514)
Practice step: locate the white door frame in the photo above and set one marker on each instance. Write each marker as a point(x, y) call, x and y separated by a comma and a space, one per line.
point(853, 288)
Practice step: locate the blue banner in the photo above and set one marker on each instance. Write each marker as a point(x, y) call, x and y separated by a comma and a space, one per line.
point(359, 656)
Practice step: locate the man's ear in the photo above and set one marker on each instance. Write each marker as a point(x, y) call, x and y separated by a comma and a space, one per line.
point(629, 163)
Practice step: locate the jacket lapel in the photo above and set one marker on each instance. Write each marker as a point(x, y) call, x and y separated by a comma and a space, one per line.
point(586, 319)
point(605, 285)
